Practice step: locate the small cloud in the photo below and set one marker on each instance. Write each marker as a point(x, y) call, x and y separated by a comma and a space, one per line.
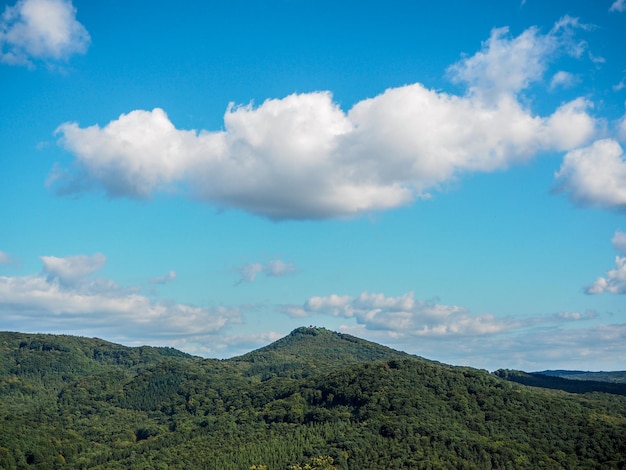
point(618, 5)
point(596, 59)
point(41, 30)
point(576, 316)
point(249, 272)
point(163, 279)
point(278, 268)
point(614, 282)
point(563, 79)
point(619, 242)
point(620, 86)
point(274, 268)
point(595, 175)
point(72, 269)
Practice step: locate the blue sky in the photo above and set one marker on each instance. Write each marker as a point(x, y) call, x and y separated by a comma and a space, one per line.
point(447, 179)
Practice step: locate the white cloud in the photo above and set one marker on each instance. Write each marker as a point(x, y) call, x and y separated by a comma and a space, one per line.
point(276, 160)
point(278, 268)
point(618, 5)
point(170, 276)
point(576, 316)
point(556, 345)
point(41, 30)
point(67, 301)
point(71, 269)
point(595, 175)
point(273, 268)
point(403, 315)
point(563, 79)
point(302, 157)
point(614, 281)
point(619, 242)
point(507, 65)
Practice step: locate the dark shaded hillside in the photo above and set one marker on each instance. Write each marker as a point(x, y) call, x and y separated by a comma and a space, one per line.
point(612, 377)
point(82, 403)
point(306, 351)
point(559, 383)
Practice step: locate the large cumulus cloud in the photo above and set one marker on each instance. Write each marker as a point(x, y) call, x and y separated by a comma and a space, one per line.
point(302, 156)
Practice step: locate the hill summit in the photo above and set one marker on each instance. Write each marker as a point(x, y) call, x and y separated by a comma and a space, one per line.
point(312, 349)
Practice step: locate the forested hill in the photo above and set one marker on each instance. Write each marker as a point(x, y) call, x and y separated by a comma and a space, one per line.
point(315, 398)
point(306, 351)
point(560, 383)
point(41, 354)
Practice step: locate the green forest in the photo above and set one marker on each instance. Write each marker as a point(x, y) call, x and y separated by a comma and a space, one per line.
point(315, 399)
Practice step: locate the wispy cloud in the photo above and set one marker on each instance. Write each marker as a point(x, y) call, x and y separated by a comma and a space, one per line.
point(620, 85)
point(41, 30)
point(402, 315)
point(555, 345)
point(507, 65)
point(576, 316)
point(67, 298)
point(302, 157)
point(453, 334)
point(274, 268)
point(170, 276)
point(618, 5)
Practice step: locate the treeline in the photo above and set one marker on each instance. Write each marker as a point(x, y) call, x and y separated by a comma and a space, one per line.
point(559, 383)
point(87, 404)
point(613, 377)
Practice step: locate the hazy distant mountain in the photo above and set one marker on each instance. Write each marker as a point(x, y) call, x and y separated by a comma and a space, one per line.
point(84, 403)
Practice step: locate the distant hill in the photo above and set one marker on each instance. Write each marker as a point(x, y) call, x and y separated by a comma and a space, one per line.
point(24, 353)
point(612, 377)
point(315, 398)
point(561, 382)
point(309, 350)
